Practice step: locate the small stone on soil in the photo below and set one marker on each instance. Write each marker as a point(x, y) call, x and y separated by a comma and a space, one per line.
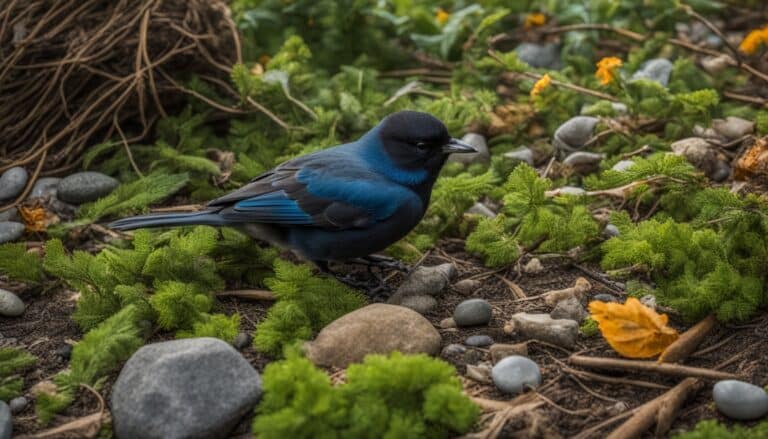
point(424, 281)
point(10, 304)
point(740, 400)
point(10, 231)
point(533, 266)
point(448, 322)
point(502, 350)
point(478, 341)
point(83, 187)
point(569, 309)
point(18, 404)
point(242, 341)
point(562, 332)
point(514, 374)
point(574, 133)
point(64, 351)
point(467, 286)
point(473, 312)
point(12, 182)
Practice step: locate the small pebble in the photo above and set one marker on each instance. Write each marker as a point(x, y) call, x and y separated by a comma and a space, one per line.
point(472, 312)
point(12, 182)
point(6, 423)
point(545, 56)
point(611, 231)
point(605, 298)
point(574, 133)
point(18, 404)
point(657, 69)
point(64, 351)
point(623, 165)
point(618, 408)
point(649, 300)
point(424, 281)
point(733, 127)
point(84, 187)
point(10, 304)
point(447, 322)
point(467, 286)
point(45, 187)
point(569, 309)
point(242, 341)
point(452, 350)
point(420, 304)
point(722, 171)
point(502, 350)
point(514, 373)
point(740, 400)
point(533, 266)
point(523, 154)
point(478, 341)
point(10, 231)
point(482, 210)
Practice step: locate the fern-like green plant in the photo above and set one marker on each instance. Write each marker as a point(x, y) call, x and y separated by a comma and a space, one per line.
point(13, 361)
point(305, 304)
point(18, 264)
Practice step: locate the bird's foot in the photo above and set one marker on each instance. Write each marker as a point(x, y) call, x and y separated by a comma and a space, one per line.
point(383, 262)
point(376, 289)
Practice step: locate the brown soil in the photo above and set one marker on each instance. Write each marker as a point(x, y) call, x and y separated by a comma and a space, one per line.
point(46, 326)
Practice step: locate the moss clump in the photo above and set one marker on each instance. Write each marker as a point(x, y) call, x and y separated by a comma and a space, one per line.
point(17, 264)
point(305, 304)
point(13, 361)
point(391, 397)
point(714, 430)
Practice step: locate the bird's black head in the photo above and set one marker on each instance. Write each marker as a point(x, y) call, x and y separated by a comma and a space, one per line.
point(415, 140)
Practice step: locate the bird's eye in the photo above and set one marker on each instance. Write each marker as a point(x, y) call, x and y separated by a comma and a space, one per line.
point(422, 146)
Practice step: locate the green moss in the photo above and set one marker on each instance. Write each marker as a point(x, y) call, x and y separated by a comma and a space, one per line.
point(13, 361)
point(385, 396)
point(589, 328)
point(711, 429)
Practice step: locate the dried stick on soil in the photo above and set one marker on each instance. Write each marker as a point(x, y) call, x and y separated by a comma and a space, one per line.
point(248, 294)
point(580, 286)
point(649, 366)
point(681, 348)
point(660, 410)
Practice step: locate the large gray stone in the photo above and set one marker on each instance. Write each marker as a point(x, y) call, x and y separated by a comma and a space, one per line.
point(373, 329)
point(574, 133)
point(191, 388)
point(10, 304)
point(740, 400)
point(84, 187)
point(10, 231)
point(12, 182)
point(6, 424)
point(523, 154)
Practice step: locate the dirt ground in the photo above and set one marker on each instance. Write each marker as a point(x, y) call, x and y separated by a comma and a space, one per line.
point(574, 404)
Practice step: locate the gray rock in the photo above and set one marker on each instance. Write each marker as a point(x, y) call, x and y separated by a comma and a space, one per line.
point(523, 154)
point(584, 162)
point(546, 56)
point(562, 332)
point(6, 423)
point(10, 304)
point(18, 404)
point(190, 388)
point(64, 351)
point(447, 323)
point(603, 297)
point(502, 350)
point(514, 374)
point(569, 309)
point(373, 329)
point(45, 188)
point(420, 304)
point(657, 69)
point(574, 133)
point(482, 210)
point(623, 165)
point(12, 182)
point(699, 153)
point(10, 231)
point(84, 187)
point(533, 266)
point(722, 171)
point(472, 312)
point(482, 156)
point(424, 281)
point(242, 340)
point(733, 127)
point(467, 286)
point(714, 65)
point(611, 230)
point(740, 400)
point(478, 341)
point(453, 350)
point(9, 215)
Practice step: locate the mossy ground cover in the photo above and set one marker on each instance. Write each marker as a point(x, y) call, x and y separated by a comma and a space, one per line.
point(697, 244)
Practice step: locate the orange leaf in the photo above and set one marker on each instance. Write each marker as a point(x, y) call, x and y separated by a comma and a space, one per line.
point(632, 329)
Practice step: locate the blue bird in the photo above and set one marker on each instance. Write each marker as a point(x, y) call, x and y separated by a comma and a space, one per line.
point(339, 204)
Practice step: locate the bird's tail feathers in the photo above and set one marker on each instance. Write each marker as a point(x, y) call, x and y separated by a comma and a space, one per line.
point(208, 218)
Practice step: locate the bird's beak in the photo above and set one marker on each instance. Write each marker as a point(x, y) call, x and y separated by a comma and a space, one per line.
point(456, 146)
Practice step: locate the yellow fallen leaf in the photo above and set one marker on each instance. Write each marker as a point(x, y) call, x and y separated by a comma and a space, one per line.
point(632, 329)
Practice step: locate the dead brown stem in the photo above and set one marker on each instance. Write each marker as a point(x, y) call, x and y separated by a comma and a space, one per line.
point(649, 366)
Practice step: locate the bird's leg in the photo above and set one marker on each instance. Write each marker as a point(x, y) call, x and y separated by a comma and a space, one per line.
point(374, 290)
point(383, 262)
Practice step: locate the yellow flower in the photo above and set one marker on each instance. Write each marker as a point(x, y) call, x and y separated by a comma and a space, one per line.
point(442, 16)
point(541, 84)
point(534, 20)
point(754, 40)
point(606, 69)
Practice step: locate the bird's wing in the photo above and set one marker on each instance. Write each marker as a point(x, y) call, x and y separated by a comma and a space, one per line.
point(333, 191)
